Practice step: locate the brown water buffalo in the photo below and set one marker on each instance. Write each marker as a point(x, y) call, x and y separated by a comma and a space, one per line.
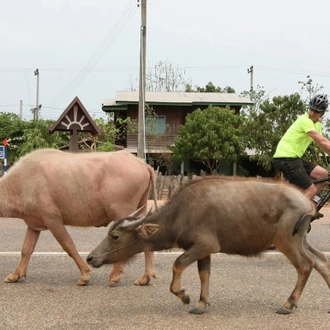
point(214, 214)
point(50, 189)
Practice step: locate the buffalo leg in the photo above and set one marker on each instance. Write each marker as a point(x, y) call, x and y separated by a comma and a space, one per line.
point(29, 244)
point(177, 269)
point(62, 236)
point(117, 270)
point(204, 267)
point(196, 252)
point(321, 262)
point(296, 253)
point(149, 269)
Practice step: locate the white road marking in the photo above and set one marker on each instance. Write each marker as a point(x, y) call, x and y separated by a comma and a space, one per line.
point(10, 253)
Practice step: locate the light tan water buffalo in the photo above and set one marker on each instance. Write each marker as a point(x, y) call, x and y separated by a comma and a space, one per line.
point(214, 214)
point(50, 189)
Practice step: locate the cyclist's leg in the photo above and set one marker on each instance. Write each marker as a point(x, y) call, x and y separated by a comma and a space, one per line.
point(311, 191)
point(318, 172)
point(315, 172)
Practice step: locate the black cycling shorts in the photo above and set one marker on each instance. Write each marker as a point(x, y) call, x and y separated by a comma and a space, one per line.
point(296, 170)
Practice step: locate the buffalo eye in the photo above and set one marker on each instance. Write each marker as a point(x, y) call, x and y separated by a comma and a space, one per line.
point(114, 236)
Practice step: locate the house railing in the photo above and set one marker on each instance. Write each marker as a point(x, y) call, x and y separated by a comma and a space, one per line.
point(152, 141)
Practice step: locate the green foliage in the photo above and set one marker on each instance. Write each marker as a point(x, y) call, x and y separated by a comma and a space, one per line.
point(210, 88)
point(27, 136)
point(210, 136)
point(12, 127)
point(106, 139)
point(257, 96)
point(36, 136)
point(267, 123)
point(309, 88)
point(314, 152)
point(112, 133)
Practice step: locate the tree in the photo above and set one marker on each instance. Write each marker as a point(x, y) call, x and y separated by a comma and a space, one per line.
point(266, 124)
point(113, 132)
point(165, 77)
point(309, 88)
point(210, 88)
point(210, 136)
point(36, 136)
point(257, 96)
point(267, 121)
point(26, 136)
point(12, 127)
point(316, 153)
point(105, 141)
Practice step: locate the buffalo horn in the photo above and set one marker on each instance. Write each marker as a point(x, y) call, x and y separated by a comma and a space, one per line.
point(129, 217)
point(135, 223)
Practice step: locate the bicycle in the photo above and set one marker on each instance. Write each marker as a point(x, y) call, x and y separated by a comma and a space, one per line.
point(324, 199)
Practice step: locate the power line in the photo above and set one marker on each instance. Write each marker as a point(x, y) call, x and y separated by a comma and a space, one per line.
point(171, 40)
point(112, 69)
point(103, 48)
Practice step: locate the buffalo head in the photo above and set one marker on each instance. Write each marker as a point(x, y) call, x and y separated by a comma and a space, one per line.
point(124, 240)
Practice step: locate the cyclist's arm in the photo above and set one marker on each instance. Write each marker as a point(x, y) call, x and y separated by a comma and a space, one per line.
point(323, 142)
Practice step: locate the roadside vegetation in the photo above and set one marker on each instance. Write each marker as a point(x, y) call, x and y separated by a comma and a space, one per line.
point(210, 136)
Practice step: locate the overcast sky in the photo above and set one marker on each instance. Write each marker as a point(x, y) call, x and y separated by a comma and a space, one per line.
point(91, 48)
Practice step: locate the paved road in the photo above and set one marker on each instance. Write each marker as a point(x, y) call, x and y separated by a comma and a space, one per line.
point(244, 292)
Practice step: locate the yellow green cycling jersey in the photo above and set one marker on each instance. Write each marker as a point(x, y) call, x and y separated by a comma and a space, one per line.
point(295, 141)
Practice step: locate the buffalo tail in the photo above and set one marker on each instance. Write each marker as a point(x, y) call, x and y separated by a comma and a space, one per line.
point(301, 221)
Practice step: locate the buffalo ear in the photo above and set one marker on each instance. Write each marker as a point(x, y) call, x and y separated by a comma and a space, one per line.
point(147, 230)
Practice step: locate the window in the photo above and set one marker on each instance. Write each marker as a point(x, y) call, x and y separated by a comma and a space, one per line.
point(155, 124)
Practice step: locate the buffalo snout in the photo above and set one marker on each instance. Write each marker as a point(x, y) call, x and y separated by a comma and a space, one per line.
point(94, 261)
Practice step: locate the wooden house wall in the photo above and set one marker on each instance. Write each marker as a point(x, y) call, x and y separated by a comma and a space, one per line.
point(175, 117)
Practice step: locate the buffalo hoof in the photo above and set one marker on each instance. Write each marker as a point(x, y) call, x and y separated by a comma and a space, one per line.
point(84, 278)
point(12, 278)
point(186, 299)
point(82, 282)
point(113, 280)
point(197, 311)
point(283, 311)
point(144, 280)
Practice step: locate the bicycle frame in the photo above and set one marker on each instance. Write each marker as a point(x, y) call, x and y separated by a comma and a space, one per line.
point(326, 197)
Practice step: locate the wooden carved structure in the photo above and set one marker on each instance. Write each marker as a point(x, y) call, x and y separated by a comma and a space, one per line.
point(74, 119)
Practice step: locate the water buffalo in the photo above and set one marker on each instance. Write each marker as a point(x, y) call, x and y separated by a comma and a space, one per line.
point(50, 189)
point(214, 214)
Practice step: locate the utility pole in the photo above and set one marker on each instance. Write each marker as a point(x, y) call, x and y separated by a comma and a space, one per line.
point(142, 82)
point(37, 108)
point(21, 109)
point(250, 71)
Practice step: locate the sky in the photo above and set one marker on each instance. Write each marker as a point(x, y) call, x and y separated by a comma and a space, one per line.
point(91, 48)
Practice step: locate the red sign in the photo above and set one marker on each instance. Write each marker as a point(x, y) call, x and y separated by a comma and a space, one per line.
point(4, 142)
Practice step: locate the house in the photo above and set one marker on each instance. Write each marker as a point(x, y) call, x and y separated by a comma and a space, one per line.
point(171, 109)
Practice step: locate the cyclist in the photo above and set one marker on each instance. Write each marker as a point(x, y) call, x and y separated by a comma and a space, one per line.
point(292, 146)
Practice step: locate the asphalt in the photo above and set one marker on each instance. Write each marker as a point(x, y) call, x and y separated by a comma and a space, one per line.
point(245, 292)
